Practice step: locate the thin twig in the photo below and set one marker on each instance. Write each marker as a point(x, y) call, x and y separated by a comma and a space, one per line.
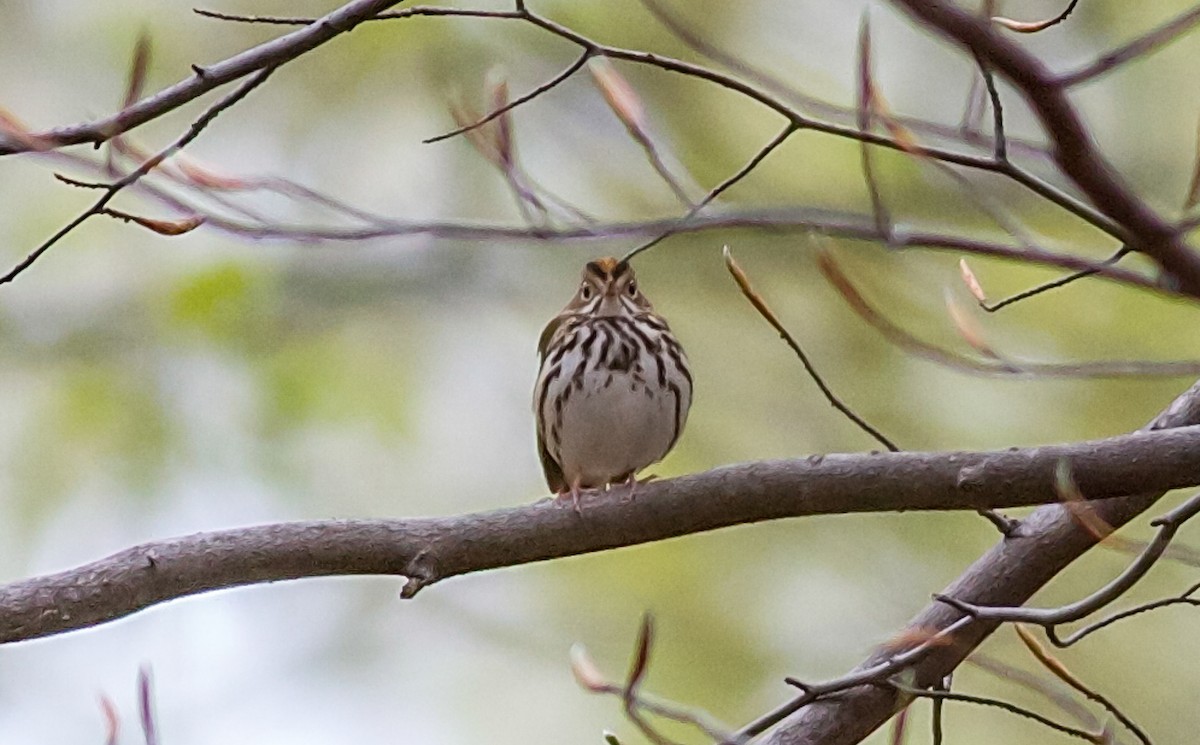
point(1059, 670)
point(570, 70)
point(1049, 688)
point(1077, 154)
point(623, 101)
point(997, 703)
point(1054, 284)
point(1048, 618)
point(748, 90)
point(764, 310)
point(936, 726)
point(146, 707)
point(1192, 196)
point(994, 364)
point(717, 190)
point(377, 227)
point(873, 674)
point(269, 54)
point(866, 115)
point(1079, 634)
point(635, 700)
point(1000, 140)
point(115, 188)
point(1139, 48)
point(1033, 27)
point(704, 45)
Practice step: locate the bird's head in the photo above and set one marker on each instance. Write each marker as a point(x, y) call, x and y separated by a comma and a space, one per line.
point(608, 287)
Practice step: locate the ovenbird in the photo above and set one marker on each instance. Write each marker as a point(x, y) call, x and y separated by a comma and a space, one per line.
point(614, 387)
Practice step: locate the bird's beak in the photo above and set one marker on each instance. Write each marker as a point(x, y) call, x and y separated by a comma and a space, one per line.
point(610, 304)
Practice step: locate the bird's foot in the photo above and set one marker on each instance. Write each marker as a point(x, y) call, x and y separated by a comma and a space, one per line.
point(560, 499)
point(633, 483)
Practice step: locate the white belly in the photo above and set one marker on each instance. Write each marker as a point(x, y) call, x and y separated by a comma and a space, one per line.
point(604, 422)
point(613, 427)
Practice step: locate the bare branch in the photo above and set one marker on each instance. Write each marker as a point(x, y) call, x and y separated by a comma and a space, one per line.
point(999, 138)
point(571, 69)
point(1033, 27)
point(866, 115)
point(1085, 212)
point(150, 164)
point(636, 701)
point(1050, 689)
point(825, 222)
point(1055, 666)
point(889, 664)
point(1139, 48)
point(1168, 526)
point(1076, 152)
point(717, 190)
point(764, 310)
point(997, 703)
point(1184, 598)
point(623, 102)
point(429, 550)
point(991, 364)
point(270, 54)
point(1008, 575)
point(845, 115)
point(1054, 284)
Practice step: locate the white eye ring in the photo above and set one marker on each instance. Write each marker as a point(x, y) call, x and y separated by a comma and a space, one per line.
point(632, 289)
point(585, 292)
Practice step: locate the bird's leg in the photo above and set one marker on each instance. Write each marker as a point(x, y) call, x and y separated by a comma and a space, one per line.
point(632, 482)
point(573, 491)
point(575, 497)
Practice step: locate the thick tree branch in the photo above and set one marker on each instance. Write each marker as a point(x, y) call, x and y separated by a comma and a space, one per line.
point(428, 550)
point(1074, 150)
point(269, 54)
point(1049, 618)
point(1009, 574)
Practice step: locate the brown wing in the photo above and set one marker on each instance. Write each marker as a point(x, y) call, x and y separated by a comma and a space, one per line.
point(550, 467)
point(548, 334)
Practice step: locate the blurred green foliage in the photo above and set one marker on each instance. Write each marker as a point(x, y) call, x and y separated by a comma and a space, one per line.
point(154, 386)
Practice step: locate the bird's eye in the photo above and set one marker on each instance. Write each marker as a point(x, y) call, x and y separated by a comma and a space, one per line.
point(632, 289)
point(585, 292)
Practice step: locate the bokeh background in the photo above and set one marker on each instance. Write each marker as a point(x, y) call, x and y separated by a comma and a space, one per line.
point(154, 386)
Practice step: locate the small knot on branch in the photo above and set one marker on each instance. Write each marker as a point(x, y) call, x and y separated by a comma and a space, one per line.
point(420, 572)
point(959, 605)
point(805, 688)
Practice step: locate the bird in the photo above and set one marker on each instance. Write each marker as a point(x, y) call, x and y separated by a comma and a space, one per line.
point(614, 386)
